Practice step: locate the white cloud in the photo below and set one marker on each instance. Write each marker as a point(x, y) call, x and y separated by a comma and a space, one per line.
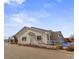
point(14, 1)
point(7, 1)
point(42, 13)
point(21, 19)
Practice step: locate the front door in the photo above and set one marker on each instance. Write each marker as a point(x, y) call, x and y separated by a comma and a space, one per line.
point(32, 37)
point(32, 40)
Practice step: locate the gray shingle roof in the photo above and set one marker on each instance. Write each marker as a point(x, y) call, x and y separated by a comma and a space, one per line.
point(24, 29)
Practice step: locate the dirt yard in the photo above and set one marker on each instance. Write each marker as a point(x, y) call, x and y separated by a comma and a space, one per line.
point(12, 51)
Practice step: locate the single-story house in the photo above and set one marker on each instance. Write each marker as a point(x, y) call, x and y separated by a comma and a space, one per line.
point(37, 36)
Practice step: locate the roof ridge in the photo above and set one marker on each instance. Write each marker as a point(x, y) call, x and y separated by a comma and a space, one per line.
point(39, 29)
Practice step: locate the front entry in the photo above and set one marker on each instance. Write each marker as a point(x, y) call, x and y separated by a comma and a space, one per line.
point(32, 37)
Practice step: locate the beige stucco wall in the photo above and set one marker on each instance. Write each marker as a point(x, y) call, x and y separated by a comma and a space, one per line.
point(43, 35)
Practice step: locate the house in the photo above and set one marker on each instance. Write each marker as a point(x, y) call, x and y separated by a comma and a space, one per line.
point(68, 44)
point(37, 36)
point(12, 40)
point(6, 40)
point(69, 39)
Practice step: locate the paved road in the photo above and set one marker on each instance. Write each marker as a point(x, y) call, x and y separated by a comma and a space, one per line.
point(21, 52)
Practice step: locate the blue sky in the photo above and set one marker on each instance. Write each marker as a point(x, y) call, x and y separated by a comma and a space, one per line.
point(57, 15)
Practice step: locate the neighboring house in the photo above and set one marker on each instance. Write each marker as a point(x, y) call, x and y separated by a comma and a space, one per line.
point(68, 43)
point(6, 40)
point(12, 40)
point(69, 39)
point(37, 36)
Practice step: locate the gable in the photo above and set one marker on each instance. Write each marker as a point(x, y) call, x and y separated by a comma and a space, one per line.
point(22, 31)
point(57, 35)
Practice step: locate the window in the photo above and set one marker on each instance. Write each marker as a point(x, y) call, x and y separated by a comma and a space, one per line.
point(23, 38)
point(38, 37)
